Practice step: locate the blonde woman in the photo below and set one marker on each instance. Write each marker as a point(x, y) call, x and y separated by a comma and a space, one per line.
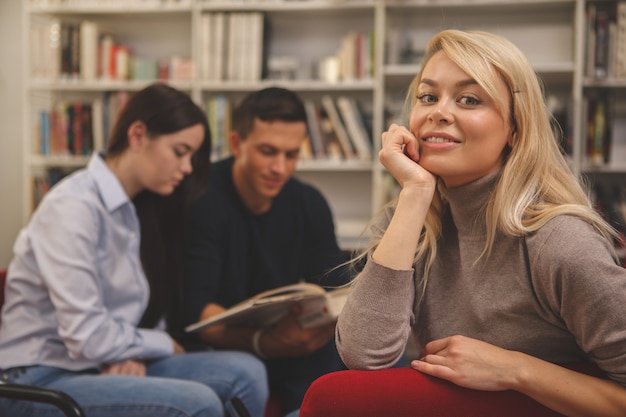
point(492, 256)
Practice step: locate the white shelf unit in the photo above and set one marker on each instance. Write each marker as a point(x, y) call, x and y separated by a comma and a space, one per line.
point(550, 32)
point(307, 30)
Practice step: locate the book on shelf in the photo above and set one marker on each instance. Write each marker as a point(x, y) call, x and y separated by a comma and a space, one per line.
point(45, 47)
point(88, 53)
point(68, 128)
point(353, 119)
point(232, 46)
point(317, 307)
point(355, 56)
point(76, 127)
point(233, 37)
point(601, 58)
point(207, 23)
point(218, 49)
point(316, 135)
point(97, 121)
point(599, 113)
point(72, 50)
point(255, 38)
point(605, 40)
point(620, 41)
point(219, 113)
point(338, 128)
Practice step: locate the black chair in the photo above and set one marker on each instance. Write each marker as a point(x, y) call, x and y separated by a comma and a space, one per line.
point(33, 393)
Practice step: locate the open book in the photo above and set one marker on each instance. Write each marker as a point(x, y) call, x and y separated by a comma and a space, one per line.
point(318, 307)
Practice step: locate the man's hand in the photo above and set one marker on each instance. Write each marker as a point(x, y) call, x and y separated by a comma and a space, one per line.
point(285, 339)
point(129, 367)
point(288, 339)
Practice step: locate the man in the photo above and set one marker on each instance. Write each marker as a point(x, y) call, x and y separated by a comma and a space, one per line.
point(258, 228)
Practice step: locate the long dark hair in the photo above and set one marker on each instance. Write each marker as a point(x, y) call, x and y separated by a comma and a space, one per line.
point(163, 219)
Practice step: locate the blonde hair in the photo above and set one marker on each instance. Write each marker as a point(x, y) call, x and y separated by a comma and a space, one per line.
point(535, 183)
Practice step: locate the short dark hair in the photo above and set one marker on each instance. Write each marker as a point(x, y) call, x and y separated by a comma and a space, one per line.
point(269, 104)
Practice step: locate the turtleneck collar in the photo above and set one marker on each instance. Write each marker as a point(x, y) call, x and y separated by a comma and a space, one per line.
point(467, 203)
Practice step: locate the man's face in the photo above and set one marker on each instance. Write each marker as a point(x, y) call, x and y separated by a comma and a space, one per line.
point(266, 159)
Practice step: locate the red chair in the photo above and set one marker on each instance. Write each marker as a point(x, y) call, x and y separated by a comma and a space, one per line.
point(33, 393)
point(404, 392)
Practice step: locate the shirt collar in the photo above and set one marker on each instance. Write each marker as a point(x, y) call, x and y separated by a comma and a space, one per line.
point(109, 187)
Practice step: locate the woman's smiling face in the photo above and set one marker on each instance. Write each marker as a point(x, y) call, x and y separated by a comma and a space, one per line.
point(460, 128)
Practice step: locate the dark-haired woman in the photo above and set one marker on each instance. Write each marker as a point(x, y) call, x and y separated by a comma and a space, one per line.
point(92, 294)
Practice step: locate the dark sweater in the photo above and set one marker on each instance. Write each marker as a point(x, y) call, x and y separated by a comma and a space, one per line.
point(233, 254)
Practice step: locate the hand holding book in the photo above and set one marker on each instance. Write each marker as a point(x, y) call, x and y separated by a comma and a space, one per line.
point(317, 307)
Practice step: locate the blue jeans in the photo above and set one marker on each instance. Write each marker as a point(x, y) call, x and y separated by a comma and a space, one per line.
point(194, 384)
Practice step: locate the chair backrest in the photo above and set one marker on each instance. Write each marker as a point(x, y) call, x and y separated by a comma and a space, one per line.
point(3, 278)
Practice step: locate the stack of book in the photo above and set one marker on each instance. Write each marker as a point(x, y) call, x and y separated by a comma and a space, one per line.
point(73, 51)
point(231, 46)
point(605, 40)
point(338, 129)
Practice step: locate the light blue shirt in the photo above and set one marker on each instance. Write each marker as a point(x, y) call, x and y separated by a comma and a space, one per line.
point(75, 287)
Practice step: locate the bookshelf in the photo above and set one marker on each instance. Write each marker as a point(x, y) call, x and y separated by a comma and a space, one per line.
point(163, 32)
point(301, 40)
point(603, 109)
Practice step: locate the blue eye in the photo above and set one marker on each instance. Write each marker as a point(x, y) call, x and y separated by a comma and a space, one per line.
point(426, 98)
point(470, 101)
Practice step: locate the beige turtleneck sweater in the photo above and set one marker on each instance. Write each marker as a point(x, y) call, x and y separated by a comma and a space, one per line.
point(557, 294)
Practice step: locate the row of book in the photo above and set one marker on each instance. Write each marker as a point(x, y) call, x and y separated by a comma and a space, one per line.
point(606, 40)
point(231, 46)
point(353, 59)
point(339, 129)
point(68, 129)
point(76, 128)
point(66, 50)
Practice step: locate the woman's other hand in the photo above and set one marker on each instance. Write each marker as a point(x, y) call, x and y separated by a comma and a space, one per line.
point(470, 363)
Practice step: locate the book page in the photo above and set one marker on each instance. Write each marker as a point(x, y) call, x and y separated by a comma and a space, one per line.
point(263, 309)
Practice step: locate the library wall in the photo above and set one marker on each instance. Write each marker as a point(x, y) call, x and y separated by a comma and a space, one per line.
point(10, 121)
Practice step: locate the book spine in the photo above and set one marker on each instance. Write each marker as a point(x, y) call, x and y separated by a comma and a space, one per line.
point(315, 129)
point(97, 125)
point(221, 39)
point(590, 57)
point(88, 32)
point(602, 44)
point(206, 46)
point(358, 134)
point(338, 126)
point(620, 41)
